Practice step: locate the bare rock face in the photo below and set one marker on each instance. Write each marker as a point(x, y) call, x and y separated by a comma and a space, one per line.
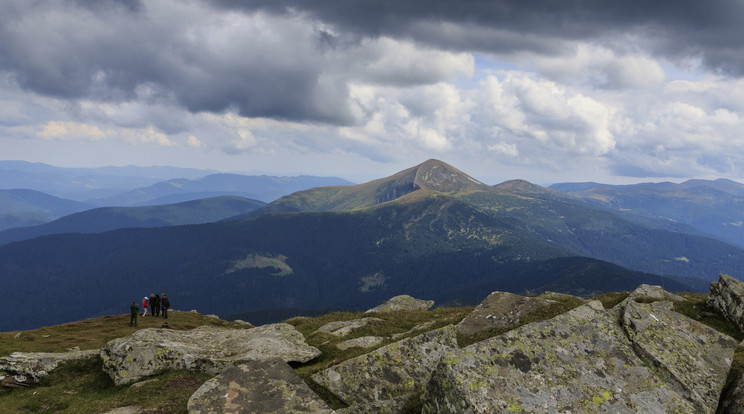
point(500, 310)
point(390, 372)
point(653, 292)
point(403, 302)
point(692, 357)
point(36, 365)
point(577, 362)
point(204, 349)
point(258, 387)
point(732, 400)
point(727, 295)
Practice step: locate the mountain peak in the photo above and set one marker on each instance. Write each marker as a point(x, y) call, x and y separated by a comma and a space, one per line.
point(440, 176)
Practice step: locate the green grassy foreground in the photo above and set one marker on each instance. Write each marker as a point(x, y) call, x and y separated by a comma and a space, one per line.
point(84, 388)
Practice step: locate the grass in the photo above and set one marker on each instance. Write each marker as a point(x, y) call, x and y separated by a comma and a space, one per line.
point(95, 333)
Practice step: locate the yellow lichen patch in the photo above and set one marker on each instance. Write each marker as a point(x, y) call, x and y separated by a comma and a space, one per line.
point(256, 261)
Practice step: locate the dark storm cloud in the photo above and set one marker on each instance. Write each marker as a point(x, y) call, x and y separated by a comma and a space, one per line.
point(679, 29)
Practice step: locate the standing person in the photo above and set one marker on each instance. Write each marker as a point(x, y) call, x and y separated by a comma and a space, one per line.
point(144, 305)
point(152, 304)
point(165, 303)
point(156, 305)
point(133, 311)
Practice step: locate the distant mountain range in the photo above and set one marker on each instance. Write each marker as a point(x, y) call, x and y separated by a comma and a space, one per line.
point(430, 231)
point(715, 207)
point(103, 219)
point(22, 207)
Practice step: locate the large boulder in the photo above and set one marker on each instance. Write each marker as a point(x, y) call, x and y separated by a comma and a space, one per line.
point(577, 362)
point(403, 302)
point(727, 296)
point(204, 349)
point(653, 292)
point(36, 365)
point(389, 372)
point(500, 311)
point(732, 400)
point(693, 358)
point(257, 387)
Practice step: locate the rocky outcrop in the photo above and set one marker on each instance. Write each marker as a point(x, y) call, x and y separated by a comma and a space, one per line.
point(727, 296)
point(401, 303)
point(580, 361)
point(258, 387)
point(343, 328)
point(693, 358)
point(205, 349)
point(390, 372)
point(653, 292)
point(501, 311)
point(361, 342)
point(35, 365)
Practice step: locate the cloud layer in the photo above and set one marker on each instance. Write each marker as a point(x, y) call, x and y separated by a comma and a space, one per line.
point(635, 88)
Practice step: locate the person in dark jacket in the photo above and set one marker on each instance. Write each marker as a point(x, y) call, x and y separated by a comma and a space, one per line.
point(152, 304)
point(165, 303)
point(133, 311)
point(156, 305)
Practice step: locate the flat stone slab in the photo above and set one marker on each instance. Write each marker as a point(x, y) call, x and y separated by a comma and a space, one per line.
point(37, 365)
point(403, 302)
point(388, 372)
point(257, 387)
point(578, 362)
point(204, 349)
point(500, 310)
point(361, 342)
point(343, 328)
point(694, 358)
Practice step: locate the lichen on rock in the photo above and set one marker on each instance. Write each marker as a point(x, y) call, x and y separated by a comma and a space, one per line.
point(500, 310)
point(727, 296)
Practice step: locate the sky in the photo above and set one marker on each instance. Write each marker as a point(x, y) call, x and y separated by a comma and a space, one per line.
point(547, 91)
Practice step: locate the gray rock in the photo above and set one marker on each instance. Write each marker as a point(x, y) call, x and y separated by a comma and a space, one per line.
point(560, 296)
point(388, 372)
point(577, 362)
point(257, 387)
point(362, 342)
point(37, 365)
point(403, 302)
point(343, 328)
point(500, 310)
point(653, 292)
point(727, 296)
point(204, 349)
point(131, 409)
point(732, 400)
point(692, 358)
point(420, 328)
point(392, 406)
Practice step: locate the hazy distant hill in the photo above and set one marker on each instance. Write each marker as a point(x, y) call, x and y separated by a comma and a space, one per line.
point(713, 207)
point(110, 218)
point(262, 187)
point(28, 207)
point(82, 184)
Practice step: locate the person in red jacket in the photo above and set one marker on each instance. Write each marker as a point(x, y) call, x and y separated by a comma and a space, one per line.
point(144, 305)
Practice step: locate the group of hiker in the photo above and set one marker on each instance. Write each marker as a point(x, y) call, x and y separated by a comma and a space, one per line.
point(158, 305)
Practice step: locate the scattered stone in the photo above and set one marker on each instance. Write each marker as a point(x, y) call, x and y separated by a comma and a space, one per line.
point(403, 302)
point(694, 358)
point(259, 386)
point(362, 342)
point(578, 362)
point(500, 310)
point(18, 335)
point(138, 385)
point(343, 328)
point(131, 409)
point(242, 322)
point(557, 296)
point(17, 381)
point(727, 296)
point(36, 365)
point(212, 316)
point(653, 292)
point(204, 349)
point(388, 372)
